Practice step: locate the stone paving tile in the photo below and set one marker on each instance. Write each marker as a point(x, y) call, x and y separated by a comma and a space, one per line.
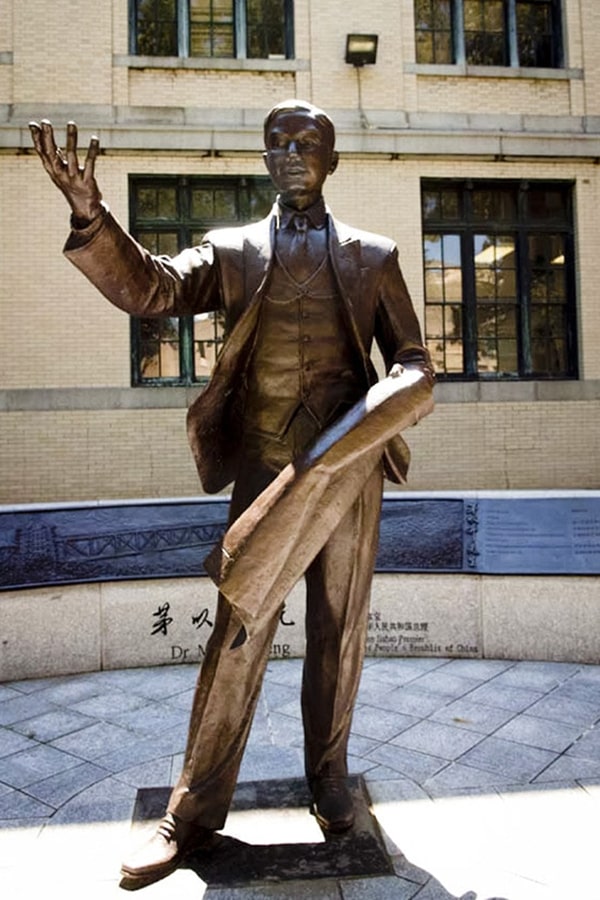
point(588, 745)
point(464, 713)
point(380, 724)
point(479, 669)
point(412, 701)
point(382, 888)
point(286, 730)
point(537, 676)
point(419, 766)
point(22, 707)
point(109, 703)
point(514, 761)
point(8, 693)
point(18, 805)
point(95, 741)
point(570, 768)
point(386, 673)
point(359, 745)
point(569, 710)
point(269, 763)
point(11, 742)
point(155, 773)
point(289, 674)
point(320, 889)
point(587, 691)
point(152, 719)
point(29, 766)
point(445, 683)
point(393, 791)
point(504, 696)
point(436, 739)
point(60, 788)
point(457, 777)
point(536, 732)
point(63, 692)
point(52, 725)
point(279, 695)
point(142, 750)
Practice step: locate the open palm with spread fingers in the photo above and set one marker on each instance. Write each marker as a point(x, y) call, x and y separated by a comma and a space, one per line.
point(77, 183)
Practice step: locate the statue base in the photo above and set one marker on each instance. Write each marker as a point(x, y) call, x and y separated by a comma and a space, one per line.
point(310, 854)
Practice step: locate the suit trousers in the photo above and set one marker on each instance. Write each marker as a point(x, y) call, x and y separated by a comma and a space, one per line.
point(338, 583)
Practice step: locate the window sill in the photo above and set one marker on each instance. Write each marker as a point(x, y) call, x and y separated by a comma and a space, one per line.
point(463, 70)
point(197, 62)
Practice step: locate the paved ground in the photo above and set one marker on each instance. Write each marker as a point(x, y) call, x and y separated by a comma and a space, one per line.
point(484, 777)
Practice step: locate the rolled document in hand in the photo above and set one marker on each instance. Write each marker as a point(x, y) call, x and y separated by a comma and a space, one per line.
point(267, 549)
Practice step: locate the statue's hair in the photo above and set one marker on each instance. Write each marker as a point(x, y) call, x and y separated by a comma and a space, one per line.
point(293, 105)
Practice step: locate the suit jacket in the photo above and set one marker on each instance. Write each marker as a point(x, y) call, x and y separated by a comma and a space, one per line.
point(229, 271)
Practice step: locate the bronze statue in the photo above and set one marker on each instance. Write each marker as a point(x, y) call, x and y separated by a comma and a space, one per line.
point(289, 405)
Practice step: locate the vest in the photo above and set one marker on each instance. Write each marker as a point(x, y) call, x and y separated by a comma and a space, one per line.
point(302, 375)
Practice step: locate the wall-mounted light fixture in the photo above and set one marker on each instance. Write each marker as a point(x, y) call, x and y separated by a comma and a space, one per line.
point(361, 49)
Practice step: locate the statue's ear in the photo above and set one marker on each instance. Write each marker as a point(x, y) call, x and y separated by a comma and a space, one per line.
point(335, 158)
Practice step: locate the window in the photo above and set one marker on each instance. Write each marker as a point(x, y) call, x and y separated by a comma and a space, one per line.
point(499, 279)
point(167, 215)
point(520, 33)
point(229, 29)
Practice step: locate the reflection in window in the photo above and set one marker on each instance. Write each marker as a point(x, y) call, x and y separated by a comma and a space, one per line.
point(253, 29)
point(524, 33)
point(168, 215)
point(499, 282)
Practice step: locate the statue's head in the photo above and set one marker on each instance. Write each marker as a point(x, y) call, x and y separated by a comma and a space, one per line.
point(299, 150)
point(319, 116)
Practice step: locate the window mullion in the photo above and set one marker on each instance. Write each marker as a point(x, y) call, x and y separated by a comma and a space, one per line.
point(469, 303)
point(183, 28)
point(240, 29)
point(524, 306)
point(458, 32)
point(511, 33)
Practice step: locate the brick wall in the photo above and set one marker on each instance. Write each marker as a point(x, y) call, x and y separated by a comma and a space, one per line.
point(61, 344)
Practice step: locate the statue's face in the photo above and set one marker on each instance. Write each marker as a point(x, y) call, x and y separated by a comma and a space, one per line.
point(299, 156)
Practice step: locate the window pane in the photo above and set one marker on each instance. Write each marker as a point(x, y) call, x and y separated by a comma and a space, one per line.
point(208, 337)
point(495, 205)
point(536, 39)
point(156, 24)
point(156, 203)
point(485, 32)
point(433, 31)
point(159, 242)
point(547, 205)
point(511, 307)
point(212, 31)
point(265, 23)
point(159, 348)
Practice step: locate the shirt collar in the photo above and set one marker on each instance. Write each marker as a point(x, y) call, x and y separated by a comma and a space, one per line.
point(315, 214)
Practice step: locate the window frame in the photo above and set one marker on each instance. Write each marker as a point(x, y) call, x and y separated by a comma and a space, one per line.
point(511, 38)
point(240, 34)
point(260, 186)
point(522, 228)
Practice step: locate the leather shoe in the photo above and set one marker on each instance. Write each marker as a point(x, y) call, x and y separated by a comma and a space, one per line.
point(161, 855)
point(332, 803)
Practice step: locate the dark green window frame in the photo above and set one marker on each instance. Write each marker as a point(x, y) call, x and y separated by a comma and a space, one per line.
point(167, 215)
point(515, 33)
point(499, 276)
point(225, 29)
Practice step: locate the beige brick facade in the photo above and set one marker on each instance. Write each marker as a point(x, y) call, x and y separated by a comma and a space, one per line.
point(72, 427)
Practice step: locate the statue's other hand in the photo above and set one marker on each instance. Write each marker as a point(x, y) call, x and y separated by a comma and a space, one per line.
point(76, 182)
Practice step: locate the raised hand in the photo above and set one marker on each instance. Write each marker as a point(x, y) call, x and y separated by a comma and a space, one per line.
point(76, 182)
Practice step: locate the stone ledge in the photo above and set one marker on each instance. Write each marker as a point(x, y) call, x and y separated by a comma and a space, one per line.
point(165, 397)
